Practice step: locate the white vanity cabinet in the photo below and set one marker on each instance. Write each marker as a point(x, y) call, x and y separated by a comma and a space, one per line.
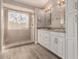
point(40, 38)
point(61, 47)
point(57, 42)
point(44, 38)
point(53, 41)
point(71, 29)
point(54, 44)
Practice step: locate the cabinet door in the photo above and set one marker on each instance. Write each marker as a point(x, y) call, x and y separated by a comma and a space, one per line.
point(70, 49)
point(40, 36)
point(54, 44)
point(70, 26)
point(70, 30)
point(46, 38)
point(60, 46)
point(43, 38)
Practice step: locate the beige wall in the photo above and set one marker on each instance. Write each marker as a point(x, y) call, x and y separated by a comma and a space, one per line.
point(17, 36)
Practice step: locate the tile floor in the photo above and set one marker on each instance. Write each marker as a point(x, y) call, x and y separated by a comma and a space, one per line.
point(28, 52)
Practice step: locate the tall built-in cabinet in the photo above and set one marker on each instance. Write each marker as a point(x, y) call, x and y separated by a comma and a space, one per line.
point(71, 29)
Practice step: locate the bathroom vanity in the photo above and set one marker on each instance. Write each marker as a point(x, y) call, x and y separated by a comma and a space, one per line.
point(52, 40)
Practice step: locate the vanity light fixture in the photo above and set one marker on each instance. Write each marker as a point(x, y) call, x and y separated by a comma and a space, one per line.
point(48, 7)
point(61, 2)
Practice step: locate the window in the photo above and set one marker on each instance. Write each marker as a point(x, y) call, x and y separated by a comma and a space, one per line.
point(18, 20)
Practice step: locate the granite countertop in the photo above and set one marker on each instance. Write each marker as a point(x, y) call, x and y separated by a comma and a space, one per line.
point(61, 30)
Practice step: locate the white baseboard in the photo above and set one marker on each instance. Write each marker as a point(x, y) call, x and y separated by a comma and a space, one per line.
point(15, 44)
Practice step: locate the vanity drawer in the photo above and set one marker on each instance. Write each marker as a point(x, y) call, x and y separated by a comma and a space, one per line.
point(58, 34)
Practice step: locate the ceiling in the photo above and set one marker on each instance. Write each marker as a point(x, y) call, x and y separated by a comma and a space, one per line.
point(34, 3)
